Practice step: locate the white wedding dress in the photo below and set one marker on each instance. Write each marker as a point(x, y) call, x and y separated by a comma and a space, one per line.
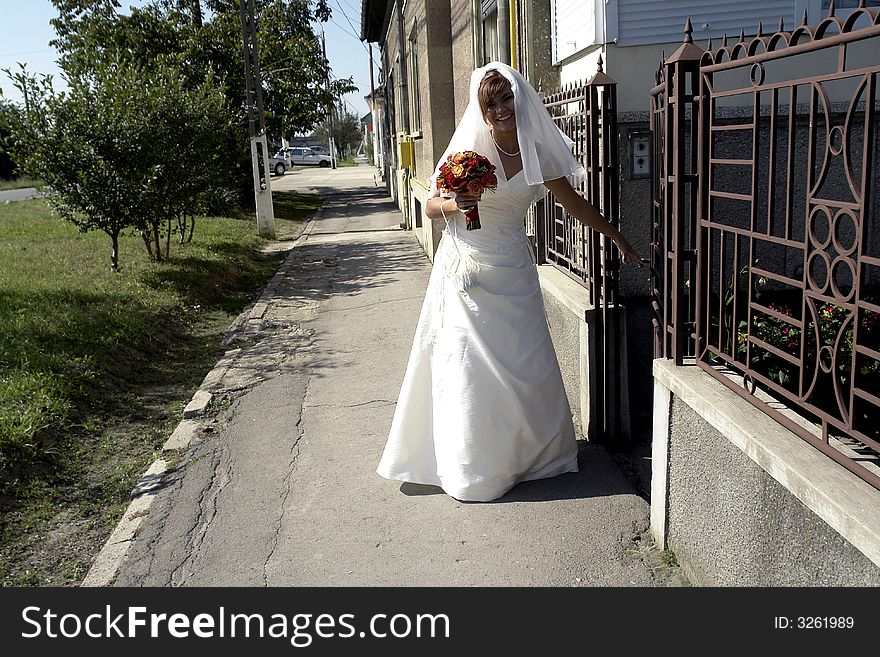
point(482, 404)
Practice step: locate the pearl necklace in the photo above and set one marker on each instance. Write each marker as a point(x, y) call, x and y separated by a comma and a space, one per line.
point(514, 154)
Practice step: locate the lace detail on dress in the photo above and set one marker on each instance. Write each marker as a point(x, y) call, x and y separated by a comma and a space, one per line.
point(514, 245)
point(460, 267)
point(459, 264)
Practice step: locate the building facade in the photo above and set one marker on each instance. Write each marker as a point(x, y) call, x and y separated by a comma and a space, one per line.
point(428, 50)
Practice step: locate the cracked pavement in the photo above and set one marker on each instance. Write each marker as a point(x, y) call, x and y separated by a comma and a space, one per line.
point(279, 488)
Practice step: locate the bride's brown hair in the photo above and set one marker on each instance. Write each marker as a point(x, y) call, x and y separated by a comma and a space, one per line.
point(491, 86)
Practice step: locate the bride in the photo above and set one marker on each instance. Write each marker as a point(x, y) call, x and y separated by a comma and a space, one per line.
point(482, 405)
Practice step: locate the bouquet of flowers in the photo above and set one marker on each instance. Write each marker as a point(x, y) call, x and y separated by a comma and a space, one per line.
point(469, 172)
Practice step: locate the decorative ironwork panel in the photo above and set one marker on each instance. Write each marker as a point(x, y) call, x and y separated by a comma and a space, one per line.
point(587, 114)
point(564, 237)
point(788, 281)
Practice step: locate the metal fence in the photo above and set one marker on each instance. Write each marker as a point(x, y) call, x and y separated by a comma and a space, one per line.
point(768, 184)
point(587, 114)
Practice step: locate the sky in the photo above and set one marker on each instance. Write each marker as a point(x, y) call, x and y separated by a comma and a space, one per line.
point(25, 33)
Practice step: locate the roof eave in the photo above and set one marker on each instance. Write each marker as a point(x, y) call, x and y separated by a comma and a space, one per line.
point(375, 17)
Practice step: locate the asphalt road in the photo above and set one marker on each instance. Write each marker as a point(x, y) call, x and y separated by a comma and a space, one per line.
point(19, 194)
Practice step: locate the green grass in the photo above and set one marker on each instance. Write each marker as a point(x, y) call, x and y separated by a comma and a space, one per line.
point(73, 329)
point(667, 557)
point(345, 162)
point(19, 183)
point(96, 367)
point(293, 207)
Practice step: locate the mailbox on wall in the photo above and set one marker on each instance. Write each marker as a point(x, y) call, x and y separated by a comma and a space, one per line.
point(406, 151)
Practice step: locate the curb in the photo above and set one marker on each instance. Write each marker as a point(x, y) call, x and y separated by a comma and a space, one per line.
point(113, 554)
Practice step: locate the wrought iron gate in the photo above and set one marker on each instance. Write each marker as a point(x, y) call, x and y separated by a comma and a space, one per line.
point(766, 230)
point(587, 113)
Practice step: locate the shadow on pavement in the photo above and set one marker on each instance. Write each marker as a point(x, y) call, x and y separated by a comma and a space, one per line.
point(597, 477)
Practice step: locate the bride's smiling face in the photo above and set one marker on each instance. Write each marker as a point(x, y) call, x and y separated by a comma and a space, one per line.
point(499, 113)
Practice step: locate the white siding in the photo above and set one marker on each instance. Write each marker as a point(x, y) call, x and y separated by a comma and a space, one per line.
point(662, 21)
point(574, 26)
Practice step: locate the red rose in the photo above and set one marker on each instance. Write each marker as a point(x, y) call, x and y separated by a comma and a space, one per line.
point(466, 171)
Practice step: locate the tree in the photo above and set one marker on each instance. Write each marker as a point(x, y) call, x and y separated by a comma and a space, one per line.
point(185, 154)
point(179, 33)
point(122, 148)
point(7, 115)
point(347, 132)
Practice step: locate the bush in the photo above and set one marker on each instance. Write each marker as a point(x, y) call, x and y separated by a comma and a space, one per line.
point(126, 147)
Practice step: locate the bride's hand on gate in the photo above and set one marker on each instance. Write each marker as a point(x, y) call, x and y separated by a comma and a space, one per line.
point(627, 252)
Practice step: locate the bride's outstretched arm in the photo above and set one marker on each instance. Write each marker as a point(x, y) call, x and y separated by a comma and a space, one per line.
point(578, 207)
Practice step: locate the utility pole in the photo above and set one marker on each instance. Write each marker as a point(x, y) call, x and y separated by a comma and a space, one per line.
point(332, 106)
point(256, 122)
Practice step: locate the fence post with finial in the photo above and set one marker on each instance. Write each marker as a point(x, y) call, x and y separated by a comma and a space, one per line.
point(682, 141)
point(602, 258)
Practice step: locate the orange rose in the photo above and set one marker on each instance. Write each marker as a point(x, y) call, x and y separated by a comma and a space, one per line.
point(459, 158)
point(457, 170)
point(474, 188)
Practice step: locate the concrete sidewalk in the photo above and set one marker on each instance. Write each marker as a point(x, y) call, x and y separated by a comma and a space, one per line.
point(272, 482)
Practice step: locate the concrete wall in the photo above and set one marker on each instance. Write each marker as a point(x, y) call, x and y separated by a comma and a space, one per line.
point(463, 57)
point(632, 67)
point(571, 319)
point(390, 74)
point(742, 501)
point(565, 303)
point(436, 87)
point(639, 357)
point(534, 51)
point(429, 232)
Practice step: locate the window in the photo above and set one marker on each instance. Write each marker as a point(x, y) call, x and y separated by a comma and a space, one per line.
point(489, 15)
point(415, 122)
point(572, 27)
point(391, 113)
